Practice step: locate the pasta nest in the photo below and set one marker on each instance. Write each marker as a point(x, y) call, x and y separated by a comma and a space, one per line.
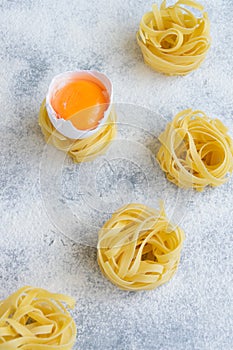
point(81, 150)
point(33, 318)
point(196, 151)
point(138, 248)
point(172, 39)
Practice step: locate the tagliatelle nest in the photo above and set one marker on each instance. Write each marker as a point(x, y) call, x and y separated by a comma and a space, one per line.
point(81, 150)
point(196, 151)
point(35, 319)
point(172, 39)
point(138, 248)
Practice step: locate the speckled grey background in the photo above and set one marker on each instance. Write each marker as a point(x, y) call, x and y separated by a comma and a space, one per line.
point(44, 37)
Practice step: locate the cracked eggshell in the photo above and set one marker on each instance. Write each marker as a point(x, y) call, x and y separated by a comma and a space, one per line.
point(65, 127)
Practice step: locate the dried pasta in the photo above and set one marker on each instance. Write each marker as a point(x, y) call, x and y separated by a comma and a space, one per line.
point(196, 151)
point(80, 150)
point(172, 39)
point(138, 248)
point(33, 318)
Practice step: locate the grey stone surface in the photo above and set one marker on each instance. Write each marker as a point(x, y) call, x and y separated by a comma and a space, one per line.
point(51, 209)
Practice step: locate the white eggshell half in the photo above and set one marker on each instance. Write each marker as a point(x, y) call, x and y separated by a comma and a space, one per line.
point(65, 127)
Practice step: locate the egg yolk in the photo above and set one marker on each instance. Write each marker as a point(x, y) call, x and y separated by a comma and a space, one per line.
point(83, 102)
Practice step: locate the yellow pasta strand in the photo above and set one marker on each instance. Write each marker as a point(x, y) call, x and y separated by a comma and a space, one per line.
point(196, 151)
point(138, 248)
point(35, 319)
point(173, 41)
point(81, 150)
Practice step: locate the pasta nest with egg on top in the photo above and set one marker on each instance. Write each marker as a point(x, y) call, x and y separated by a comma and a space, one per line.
point(80, 150)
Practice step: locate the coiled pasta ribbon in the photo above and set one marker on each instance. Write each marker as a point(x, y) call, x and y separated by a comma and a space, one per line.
point(138, 248)
point(196, 151)
point(173, 41)
point(35, 319)
point(80, 150)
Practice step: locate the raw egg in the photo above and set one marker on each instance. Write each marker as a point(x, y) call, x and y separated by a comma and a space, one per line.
point(78, 103)
point(81, 101)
